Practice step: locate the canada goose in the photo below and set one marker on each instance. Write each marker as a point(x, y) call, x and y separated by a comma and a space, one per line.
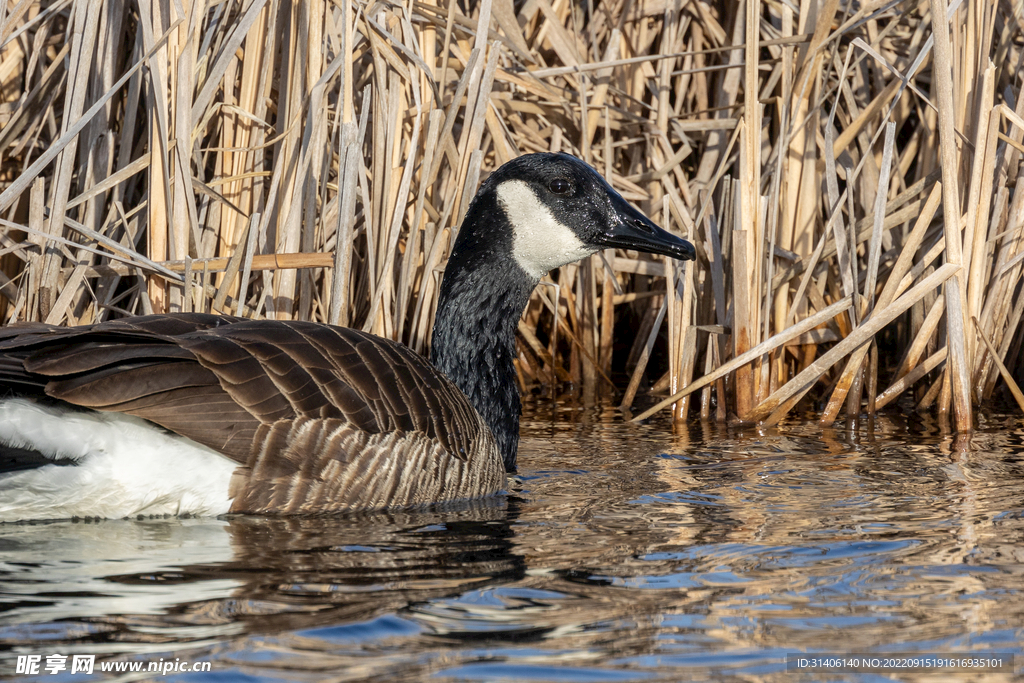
point(208, 414)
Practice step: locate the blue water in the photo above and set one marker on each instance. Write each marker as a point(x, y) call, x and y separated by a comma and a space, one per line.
point(623, 553)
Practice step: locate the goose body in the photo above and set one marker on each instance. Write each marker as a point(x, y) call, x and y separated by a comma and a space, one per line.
point(208, 414)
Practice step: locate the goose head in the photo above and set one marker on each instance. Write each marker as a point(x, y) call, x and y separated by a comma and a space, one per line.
point(546, 210)
point(534, 214)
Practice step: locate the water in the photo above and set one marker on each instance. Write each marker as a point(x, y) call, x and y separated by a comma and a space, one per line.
point(624, 553)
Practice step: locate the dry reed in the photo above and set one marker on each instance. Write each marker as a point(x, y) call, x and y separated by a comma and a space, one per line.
point(312, 160)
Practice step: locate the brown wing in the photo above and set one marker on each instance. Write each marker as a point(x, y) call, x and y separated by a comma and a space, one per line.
point(216, 379)
point(133, 366)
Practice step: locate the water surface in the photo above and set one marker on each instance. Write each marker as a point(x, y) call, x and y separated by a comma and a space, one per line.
point(623, 553)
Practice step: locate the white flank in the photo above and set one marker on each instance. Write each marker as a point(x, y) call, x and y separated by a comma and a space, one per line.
point(541, 242)
point(124, 466)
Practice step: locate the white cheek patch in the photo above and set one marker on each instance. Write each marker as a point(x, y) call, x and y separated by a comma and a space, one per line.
point(540, 241)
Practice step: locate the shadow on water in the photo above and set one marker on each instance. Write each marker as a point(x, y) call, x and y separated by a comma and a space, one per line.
point(622, 553)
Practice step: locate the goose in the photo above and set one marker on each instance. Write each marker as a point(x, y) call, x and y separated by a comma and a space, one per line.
point(207, 414)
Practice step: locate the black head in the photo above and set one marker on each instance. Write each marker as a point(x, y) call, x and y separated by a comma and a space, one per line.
point(560, 210)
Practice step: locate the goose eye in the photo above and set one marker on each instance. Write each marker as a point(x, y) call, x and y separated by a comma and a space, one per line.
point(559, 186)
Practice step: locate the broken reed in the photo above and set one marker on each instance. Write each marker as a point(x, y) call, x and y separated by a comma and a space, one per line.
point(311, 161)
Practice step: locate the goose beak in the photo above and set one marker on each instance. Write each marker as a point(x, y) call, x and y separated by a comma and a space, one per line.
point(630, 229)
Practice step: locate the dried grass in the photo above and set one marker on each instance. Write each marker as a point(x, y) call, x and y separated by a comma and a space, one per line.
point(312, 160)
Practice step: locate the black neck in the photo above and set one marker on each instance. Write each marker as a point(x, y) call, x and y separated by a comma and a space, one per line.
point(483, 294)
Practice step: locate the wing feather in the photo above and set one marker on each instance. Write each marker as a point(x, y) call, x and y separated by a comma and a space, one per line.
point(224, 382)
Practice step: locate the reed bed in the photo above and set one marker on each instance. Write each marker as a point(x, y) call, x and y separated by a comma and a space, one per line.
point(313, 161)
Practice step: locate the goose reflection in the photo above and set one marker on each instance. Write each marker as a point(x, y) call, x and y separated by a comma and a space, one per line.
point(188, 580)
